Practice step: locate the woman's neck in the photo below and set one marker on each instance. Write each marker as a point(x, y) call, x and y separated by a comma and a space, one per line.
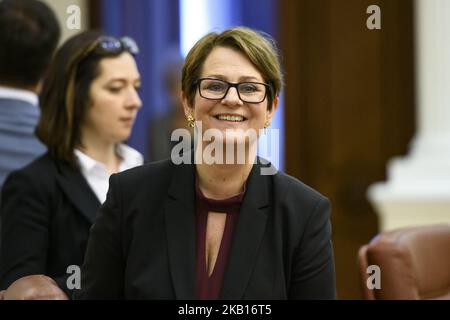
point(102, 152)
point(221, 181)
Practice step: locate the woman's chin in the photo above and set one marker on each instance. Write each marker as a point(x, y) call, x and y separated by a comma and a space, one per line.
point(122, 137)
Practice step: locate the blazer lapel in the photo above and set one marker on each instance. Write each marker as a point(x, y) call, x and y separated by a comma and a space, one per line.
point(180, 226)
point(78, 191)
point(248, 235)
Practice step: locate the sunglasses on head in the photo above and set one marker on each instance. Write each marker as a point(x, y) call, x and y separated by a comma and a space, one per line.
point(111, 44)
point(108, 44)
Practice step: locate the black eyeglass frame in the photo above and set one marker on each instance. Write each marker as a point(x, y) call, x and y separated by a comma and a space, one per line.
point(233, 85)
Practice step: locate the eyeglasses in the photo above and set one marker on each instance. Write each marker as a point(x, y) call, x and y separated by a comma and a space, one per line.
point(249, 92)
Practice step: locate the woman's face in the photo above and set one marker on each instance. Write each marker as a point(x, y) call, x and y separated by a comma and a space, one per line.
point(114, 100)
point(232, 66)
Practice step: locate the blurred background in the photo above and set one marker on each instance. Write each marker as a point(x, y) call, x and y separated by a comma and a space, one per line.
point(357, 109)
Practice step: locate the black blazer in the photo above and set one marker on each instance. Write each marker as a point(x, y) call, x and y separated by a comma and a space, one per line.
point(47, 210)
point(143, 243)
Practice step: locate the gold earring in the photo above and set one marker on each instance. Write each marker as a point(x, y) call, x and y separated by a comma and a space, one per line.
point(191, 121)
point(266, 125)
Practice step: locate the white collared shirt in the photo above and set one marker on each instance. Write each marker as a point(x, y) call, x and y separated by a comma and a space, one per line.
point(19, 94)
point(96, 173)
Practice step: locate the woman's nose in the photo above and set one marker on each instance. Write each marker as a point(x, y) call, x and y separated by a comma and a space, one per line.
point(232, 97)
point(133, 99)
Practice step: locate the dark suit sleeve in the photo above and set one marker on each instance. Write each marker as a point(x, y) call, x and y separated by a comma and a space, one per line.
point(102, 271)
point(25, 217)
point(313, 275)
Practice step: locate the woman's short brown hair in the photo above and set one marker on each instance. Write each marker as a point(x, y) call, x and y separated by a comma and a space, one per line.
point(65, 96)
point(258, 47)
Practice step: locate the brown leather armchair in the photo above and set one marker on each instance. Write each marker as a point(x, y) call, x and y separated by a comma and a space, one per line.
point(414, 263)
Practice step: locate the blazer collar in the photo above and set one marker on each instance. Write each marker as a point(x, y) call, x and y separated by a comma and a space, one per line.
point(248, 235)
point(77, 190)
point(180, 226)
point(180, 212)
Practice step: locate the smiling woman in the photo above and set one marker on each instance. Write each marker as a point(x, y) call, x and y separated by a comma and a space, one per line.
point(214, 231)
point(89, 103)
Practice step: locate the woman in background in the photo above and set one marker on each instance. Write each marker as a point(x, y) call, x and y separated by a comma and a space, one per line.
point(89, 103)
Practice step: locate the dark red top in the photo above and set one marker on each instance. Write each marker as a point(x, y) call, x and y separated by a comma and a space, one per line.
point(209, 287)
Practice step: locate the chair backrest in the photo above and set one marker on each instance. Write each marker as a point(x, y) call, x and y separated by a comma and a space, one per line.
point(414, 263)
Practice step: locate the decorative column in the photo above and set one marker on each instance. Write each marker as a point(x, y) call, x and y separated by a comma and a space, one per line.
point(418, 188)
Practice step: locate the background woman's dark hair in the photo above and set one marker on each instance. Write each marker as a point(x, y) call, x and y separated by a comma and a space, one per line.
point(65, 95)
